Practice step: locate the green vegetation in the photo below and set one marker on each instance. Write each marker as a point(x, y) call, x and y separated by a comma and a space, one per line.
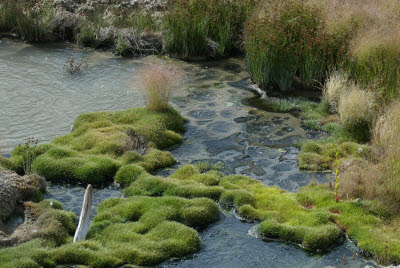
point(189, 24)
point(35, 25)
point(139, 230)
point(155, 222)
point(289, 39)
point(313, 112)
point(304, 41)
point(102, 143)
point(321, 155)
point(307, 217)
point(346, 113)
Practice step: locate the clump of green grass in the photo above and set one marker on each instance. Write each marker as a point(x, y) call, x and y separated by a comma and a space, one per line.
point(139, 21)
point(189, 24)
point(206, 166)
point(9, 14)
point(186, 28)
point(313, 112)
point(289, 39)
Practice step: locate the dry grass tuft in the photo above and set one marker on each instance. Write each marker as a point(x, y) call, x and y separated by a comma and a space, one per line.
point(356, 111)
point(157, 83)
point(335, 86)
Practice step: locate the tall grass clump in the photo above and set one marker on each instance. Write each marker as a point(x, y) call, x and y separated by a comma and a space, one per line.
point(289, 39)
point(356, 111)
point(190, 25)
point(157, 83)
point(387, 129)
point(186, 28)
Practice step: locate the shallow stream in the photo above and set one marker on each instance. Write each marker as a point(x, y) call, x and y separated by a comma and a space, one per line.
point(38, 98)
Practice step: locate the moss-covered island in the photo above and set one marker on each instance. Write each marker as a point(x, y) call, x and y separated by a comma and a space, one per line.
point(103, 142)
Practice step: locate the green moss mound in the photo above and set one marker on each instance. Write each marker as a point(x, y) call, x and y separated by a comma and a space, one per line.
point(102, 143)
point(310, 217)
point(187, 182)
point(368, 222)
point(138, 230)
point(281, 215)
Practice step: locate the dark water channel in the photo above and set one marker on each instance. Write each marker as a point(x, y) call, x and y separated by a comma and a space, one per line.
point(37, 98)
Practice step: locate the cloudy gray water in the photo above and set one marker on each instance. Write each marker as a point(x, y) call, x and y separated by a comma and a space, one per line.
point(39, 99)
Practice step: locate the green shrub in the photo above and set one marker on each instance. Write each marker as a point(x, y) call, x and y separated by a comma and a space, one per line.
point(285, 40)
